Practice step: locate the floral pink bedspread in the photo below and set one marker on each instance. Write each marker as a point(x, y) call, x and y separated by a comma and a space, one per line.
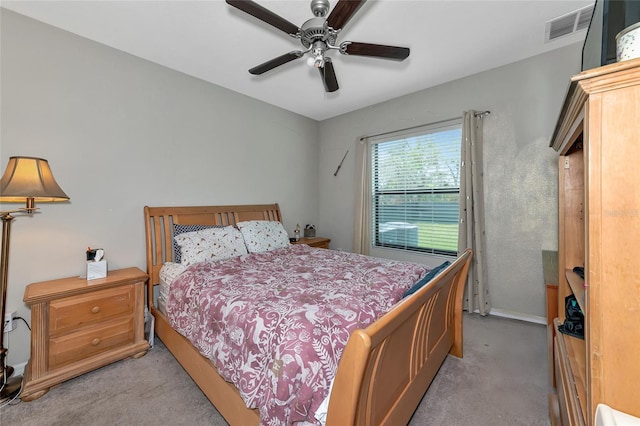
point(275, 324)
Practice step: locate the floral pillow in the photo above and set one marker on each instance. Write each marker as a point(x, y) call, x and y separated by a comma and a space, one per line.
point(263, 235)
point(181, 229)
point(209, 245)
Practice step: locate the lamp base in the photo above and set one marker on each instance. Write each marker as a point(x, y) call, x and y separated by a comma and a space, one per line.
point(11, 390)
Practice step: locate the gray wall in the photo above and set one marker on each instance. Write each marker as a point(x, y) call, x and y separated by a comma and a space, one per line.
point(121, 133)
point(520, 170)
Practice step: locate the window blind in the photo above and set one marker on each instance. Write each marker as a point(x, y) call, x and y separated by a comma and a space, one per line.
point(415, 188)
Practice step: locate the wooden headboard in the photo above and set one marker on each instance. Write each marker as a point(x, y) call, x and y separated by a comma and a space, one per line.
point(158, 225)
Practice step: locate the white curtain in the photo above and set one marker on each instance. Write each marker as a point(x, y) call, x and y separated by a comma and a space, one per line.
point(472, 233)
point(361, 228)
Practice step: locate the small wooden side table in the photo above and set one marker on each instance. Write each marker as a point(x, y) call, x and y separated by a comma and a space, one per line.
point(318, 242)
point(79, 325)
point(550, 272)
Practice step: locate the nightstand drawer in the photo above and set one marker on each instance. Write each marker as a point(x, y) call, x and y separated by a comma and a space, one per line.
point(90, 341)
point(72, 312)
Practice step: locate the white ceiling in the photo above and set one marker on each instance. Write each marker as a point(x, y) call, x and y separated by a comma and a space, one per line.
point(212, 41)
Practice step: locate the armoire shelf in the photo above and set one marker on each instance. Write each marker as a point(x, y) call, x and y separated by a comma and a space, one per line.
point(597, 137)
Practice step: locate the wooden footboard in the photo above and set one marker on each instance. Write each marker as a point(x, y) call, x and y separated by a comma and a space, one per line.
point(387, 367)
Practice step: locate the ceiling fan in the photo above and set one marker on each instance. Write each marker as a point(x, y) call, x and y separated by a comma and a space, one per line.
point(319, 35)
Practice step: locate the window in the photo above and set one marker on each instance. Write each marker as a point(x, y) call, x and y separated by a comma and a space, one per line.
point(416, 187)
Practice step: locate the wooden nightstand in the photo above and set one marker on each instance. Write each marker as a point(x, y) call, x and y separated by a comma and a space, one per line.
point(80, 325)
point(318, 242)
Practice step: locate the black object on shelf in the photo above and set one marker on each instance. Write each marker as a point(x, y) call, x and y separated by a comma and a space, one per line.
point(579, 270)
point(574, 318)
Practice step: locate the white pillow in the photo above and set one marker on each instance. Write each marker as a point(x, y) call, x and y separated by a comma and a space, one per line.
point(263, 235)
point(209, 245)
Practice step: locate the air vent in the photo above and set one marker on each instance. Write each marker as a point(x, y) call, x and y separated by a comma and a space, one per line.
point(568, 24)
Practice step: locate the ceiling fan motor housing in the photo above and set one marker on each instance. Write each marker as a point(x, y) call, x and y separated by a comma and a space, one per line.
point(314, 30)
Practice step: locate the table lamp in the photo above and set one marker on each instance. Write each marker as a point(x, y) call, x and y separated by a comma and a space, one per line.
point(25, 180)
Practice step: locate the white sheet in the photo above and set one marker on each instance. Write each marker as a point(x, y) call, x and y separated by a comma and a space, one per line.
point(168, 273)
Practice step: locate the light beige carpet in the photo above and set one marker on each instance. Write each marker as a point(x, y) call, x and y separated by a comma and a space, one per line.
point(502, 380)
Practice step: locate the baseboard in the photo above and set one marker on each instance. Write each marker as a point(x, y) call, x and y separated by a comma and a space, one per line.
point(18, 369)
point(518, 316)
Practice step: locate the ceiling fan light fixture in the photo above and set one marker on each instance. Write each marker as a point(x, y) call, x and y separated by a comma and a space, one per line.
point(317, 59)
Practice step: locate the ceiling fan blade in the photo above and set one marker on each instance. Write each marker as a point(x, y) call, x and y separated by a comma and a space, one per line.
point(276, 62)
point(265, 15)
point(376, 50)
point(328, 75)
point(342, 13)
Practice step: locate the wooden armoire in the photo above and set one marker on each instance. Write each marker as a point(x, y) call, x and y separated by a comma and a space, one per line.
point(597, 138)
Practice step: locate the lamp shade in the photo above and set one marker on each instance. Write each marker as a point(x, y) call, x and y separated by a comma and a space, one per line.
point(29, 177)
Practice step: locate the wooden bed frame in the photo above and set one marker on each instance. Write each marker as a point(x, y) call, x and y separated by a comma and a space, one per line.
point(385, 369)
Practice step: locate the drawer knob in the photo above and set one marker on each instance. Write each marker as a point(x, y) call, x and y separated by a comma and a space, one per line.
point(95, 309)
point(96, 341)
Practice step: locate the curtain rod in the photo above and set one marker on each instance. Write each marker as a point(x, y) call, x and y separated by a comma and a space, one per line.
point(480, 114)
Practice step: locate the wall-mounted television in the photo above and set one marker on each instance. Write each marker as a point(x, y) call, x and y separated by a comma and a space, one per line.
point(608, 19)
